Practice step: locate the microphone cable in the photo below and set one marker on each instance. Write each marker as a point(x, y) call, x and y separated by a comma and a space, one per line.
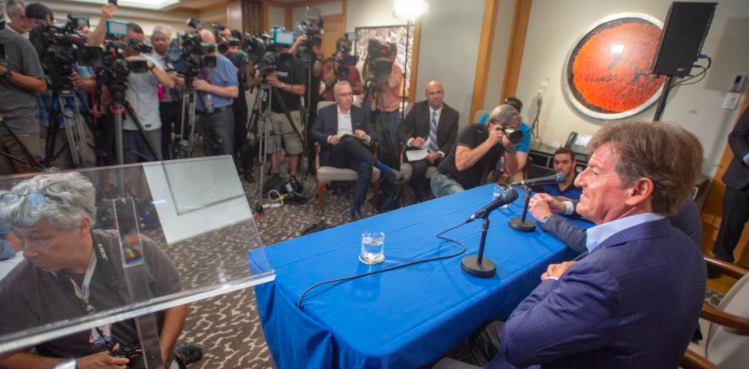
point(394, 267)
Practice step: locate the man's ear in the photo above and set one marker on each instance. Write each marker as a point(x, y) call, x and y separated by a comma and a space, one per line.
point(85, 225)
point(640, 192)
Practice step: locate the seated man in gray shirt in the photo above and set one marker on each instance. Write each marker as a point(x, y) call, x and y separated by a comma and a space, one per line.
point(21, 77)
point(143, 96)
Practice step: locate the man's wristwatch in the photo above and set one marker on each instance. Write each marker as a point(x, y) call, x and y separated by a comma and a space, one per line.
point(283, 86)
point(152, 66)
point(545, 219)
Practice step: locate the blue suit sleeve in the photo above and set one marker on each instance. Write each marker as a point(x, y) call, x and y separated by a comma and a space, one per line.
point(572, 235)
point(562, 318)
point(317, 129)
point(738, 139)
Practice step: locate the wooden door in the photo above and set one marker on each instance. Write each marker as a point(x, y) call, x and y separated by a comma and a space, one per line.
point(333, 26)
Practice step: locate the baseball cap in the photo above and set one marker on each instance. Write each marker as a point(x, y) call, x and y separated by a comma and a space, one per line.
point(39, 11)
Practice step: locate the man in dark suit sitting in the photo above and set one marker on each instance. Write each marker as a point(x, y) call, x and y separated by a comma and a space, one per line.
point(430, 125)
point(632, 300)
point(345, 138)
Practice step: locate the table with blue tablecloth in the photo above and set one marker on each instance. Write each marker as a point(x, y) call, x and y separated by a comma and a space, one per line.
point(408, 317)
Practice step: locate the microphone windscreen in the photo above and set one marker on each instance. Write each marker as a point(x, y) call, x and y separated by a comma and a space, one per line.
point(561, 177)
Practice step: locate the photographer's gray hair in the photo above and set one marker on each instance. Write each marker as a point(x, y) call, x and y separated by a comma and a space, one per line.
point(504, 114)
point(62, 199)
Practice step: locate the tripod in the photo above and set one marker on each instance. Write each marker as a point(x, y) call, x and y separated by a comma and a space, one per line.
point(74, 128)
point(32, 161)
point(389, 154)
point(184, 145)
point(118, 109)
point(261, 118)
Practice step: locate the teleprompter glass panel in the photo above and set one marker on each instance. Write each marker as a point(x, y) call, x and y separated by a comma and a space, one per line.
point(191, 232)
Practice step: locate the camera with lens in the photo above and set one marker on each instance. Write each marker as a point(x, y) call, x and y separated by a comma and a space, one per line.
point(59, 47)
point(345, 61)
point(513, 134)
point(190, 58)
point(264, 52)
point(378, 61)
point(132, 352)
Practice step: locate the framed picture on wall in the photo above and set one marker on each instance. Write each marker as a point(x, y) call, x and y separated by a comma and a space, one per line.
point(607, 73)
point(402, 36)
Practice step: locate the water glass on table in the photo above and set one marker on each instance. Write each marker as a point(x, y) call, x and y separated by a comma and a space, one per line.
point(372, 247)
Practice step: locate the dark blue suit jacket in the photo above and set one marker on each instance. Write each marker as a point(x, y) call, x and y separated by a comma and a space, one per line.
point(326, 125)
point(633, 302)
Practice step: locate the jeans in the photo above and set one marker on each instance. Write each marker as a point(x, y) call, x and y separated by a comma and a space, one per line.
point(444, 186)
point(135, 147)
point(218, 132)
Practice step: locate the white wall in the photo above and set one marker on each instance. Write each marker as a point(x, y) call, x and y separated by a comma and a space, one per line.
point(332, 8)
point(496, 76)
point(370, 13)
point(555, 25)
point(276, 17)
point(450, 35)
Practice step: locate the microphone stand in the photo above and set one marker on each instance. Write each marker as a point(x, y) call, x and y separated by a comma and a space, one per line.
point(521, 224)
point(477, 265)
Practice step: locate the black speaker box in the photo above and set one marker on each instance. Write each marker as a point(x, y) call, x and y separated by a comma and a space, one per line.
point(682, 38)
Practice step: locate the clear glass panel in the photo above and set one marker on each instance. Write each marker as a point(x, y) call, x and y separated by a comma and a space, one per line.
point(185, 226)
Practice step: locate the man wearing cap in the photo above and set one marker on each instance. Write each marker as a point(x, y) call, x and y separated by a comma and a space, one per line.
point(21, 77)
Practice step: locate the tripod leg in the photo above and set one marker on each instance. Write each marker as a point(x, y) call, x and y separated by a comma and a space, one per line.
point(142, 131)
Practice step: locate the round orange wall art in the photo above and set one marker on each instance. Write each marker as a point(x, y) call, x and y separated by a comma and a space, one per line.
point(608, 71)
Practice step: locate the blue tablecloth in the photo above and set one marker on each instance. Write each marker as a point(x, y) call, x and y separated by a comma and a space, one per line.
point(404, 318)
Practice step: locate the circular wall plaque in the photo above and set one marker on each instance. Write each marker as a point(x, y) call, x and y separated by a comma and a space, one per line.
point(608, 70)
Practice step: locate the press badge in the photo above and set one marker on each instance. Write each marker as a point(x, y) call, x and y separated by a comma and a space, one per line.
point(101, 336)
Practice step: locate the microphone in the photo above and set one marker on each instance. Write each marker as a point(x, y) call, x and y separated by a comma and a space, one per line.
point(501, 200)
point(557, 178)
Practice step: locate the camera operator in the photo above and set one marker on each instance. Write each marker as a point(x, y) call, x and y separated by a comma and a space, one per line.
point(333, 71)
point(21, 77)
point(217, 88)
point(19, 24)
point(170, 103)
point(143, 95)
point(290, 79)
point(390, 97)
point(241, 111)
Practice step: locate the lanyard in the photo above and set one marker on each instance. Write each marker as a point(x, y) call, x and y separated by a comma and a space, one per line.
point(84, 292)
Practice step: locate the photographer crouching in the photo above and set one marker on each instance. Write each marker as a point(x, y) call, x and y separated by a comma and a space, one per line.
point(217, 87)
point(71, 270)
point(21, 77)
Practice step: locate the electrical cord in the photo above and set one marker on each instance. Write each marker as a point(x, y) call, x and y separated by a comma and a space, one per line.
point(462, 250)
point(701, 75)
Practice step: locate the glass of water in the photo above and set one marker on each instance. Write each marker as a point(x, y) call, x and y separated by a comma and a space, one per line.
point(372, 247)
point(498, 190)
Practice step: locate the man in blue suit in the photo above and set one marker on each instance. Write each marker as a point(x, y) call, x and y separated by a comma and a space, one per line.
point(632, 300)
point(345, 138)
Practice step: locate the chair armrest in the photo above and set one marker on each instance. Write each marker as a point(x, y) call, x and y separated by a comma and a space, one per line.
point(317, 155)
point(692, 360)
point(725, 319)
point(725, 267)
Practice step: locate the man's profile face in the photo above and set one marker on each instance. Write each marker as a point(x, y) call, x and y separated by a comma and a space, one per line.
point(50, 248)
point(563, 164)
point(225, 33)
point(435, 94)
point(344, 97)
point(160, 43)
point(603, 196)
point(138, 36)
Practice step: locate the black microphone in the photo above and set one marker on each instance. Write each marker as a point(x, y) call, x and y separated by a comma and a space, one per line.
point(557, 178)
point(501, 200)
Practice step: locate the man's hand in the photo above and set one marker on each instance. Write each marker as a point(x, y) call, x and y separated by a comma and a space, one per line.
point(539, 208)
point(555, 206)
point(334, 140)
point(432, 157)
point(557, 270)
point(107, 11)
point(300, 39)
point(361, 134)
point(508, 145)
point(3, 69)
point(201, 85)
point(417, 142)
point(496, 135)
point(102, 360)
point(134, 58)
point(273, 80)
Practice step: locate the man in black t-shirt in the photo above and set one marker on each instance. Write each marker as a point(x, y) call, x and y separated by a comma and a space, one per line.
point(477, 153)
point(71, 271)
point(290, 80)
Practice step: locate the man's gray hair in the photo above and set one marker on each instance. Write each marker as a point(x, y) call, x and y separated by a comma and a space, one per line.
point(13, 6)
point(504, 114)
point(338, 84)
point(164, 29)
point(62, 199)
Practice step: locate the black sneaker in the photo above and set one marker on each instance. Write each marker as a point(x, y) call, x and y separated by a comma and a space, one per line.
point(355, 215)
point(189, 353)
point(396, 176)
point(296, 185)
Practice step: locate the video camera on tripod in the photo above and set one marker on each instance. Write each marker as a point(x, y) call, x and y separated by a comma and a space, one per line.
point(378, 61)
point(345, 60)
point(190, 57)
point(264, 50)
point(311, 29)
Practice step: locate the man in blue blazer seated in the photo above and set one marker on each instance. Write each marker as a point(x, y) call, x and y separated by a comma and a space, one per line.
point(632, 300)
point(345, 139)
